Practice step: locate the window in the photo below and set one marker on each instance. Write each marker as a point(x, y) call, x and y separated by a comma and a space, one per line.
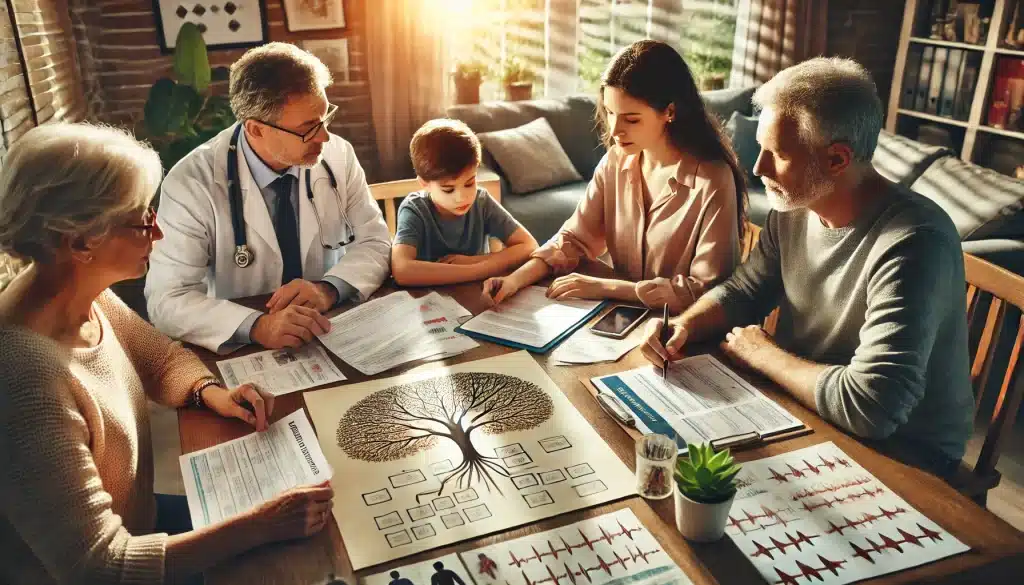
point(567, 44)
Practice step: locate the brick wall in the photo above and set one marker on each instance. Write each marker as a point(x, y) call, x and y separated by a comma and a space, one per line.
point(868, 31)
point(119, 41)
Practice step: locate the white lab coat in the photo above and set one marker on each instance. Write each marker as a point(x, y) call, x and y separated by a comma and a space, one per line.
point(192, 270)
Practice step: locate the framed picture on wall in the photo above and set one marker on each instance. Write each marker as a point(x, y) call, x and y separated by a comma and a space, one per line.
point(333, 53)
point(225, 24)
point(313, 14)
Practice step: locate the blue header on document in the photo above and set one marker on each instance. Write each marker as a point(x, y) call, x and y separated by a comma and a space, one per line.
point(646, 416)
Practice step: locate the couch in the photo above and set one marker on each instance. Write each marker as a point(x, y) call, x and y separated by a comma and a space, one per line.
point(985, 206)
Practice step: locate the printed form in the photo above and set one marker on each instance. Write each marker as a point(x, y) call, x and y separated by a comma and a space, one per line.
point(702, 400)
point(281, 371)
point(530, 318)
point(237, 476)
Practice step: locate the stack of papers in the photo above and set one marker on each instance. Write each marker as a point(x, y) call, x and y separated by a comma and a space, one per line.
point(530, 320)
point(397, 329)
point(585, 347)
point(280, 371)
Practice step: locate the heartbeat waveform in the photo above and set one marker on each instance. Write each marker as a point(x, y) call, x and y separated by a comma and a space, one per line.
point(867, 518)
point(808, 572)
point(569, 576)
point(566, 548)
point(793, 541)
point(831, 487)
point(827, 503)
point(754, 518)
point(888, 543)
point(801, 472)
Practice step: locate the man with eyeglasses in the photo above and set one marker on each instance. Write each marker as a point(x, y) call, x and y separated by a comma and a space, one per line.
point(274, 204)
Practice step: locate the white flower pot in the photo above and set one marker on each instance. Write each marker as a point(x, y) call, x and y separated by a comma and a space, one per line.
point(701, 522)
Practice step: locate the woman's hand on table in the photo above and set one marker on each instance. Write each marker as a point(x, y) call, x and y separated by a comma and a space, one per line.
point(499, 288)
point(296, 513)
point(245, 402)
point(581, 286)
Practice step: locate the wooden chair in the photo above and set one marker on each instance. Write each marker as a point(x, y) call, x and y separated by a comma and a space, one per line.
point(751, 234)
point(999, 289)
point(389, 193)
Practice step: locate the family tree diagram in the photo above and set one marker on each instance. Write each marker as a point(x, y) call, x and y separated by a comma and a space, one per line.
point(816, 516)
point(445, 454)
point(401, 421)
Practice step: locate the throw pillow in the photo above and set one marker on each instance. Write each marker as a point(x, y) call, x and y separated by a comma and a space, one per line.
point(530, 156)
point(902, 160)
point(743, 132)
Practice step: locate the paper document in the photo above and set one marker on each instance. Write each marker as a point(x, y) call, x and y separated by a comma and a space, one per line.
point(529, 318)
point(585, 347)
point(702, 400)
point(390, 331)
point(280, 371)
point(239, 475)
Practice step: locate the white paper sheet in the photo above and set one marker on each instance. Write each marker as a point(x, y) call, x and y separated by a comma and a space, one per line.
point(441, 315)
point(702, 400)
point(816, 516)
point(451, 572)
point(584, 347)
point(530, 318)
point(390, 331)
point(230, 478)
point(446, 454)
point(280, 371)
point(613, 549)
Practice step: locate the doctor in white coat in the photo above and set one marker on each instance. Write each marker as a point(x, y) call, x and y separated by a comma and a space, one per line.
point(301, 223)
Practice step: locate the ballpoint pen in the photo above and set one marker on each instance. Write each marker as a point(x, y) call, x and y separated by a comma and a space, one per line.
point(666, 334)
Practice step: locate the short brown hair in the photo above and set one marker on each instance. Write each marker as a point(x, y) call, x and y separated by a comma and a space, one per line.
point(265, 77)
point(443, 148)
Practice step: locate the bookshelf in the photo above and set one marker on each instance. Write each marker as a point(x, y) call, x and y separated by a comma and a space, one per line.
point(968, 122)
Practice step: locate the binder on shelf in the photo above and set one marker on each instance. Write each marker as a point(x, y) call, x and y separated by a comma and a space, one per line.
point(923, 79)
point(910, 72)
point(954, 70)
point(937, 78)
point(965, 93)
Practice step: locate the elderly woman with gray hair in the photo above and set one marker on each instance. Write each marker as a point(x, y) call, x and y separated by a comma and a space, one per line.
point(76, 369)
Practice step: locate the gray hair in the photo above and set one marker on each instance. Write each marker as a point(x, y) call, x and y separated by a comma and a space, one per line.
point(70, 180)
point(832, 99)
point(265, 77)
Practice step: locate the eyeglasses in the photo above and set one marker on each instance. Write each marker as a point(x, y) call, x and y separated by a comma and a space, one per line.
point(148, 223)
point(332, 110)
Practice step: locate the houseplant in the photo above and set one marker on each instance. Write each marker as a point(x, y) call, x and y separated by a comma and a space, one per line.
point(181, 113)
point(517, 77)
point(468, 75)
point(705, 488)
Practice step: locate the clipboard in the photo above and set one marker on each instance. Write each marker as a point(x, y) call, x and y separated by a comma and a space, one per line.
point(533, 348)
point(611, 405)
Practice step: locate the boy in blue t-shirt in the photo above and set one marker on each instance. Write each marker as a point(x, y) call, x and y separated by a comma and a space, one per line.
point(443, 230)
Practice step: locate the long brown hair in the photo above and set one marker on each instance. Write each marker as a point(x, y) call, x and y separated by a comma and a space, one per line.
point(653, 72)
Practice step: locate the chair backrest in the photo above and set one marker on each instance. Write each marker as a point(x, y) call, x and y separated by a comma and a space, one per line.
point(389, 193)
point(999, 289)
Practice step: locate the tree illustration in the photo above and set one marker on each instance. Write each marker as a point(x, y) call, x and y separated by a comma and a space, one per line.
point(403, 420)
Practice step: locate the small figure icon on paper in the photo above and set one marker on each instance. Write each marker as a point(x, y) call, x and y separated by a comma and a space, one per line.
point(487, 566)
point(397, 580)
point(444, 576)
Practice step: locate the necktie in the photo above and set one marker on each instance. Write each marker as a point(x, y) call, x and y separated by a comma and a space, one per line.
point(287, 229)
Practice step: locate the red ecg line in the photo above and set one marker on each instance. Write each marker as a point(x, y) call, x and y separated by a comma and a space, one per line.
point(889, 543)
point(827, 503)
point(794, 541)
point(753, 519)
point(801, 472)
point(808, 572)
point(570, 575)
point(831, 487)
point(568, 548)
point(867, 518)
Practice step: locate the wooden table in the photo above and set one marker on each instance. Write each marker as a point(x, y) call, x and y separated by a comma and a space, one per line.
point(997, 549)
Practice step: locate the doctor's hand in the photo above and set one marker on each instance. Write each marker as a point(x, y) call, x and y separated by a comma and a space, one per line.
point(292, 326)
point(656, 350)
point(315, 295)
point(245, 402)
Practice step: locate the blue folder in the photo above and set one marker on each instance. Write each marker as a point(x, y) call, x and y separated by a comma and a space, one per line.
point(533, 348)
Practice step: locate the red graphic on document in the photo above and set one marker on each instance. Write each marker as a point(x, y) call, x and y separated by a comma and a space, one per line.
point(889, 543)
point(774, 517)
point(567, 575)
point(809, 572)
point(867, 518)
point(553, 550)
point(808, 468)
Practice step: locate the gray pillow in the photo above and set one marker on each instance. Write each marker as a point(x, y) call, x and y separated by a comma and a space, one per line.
point(530, 156)
point(723, 102)
point(902, 160)
point(982, 203)
point(743, 132)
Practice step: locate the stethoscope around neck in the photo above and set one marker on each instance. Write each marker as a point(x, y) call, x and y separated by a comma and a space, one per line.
point(243, 255)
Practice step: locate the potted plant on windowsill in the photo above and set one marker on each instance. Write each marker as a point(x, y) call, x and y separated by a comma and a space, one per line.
point(705, 489)
point(517, 78)
point(468, 75)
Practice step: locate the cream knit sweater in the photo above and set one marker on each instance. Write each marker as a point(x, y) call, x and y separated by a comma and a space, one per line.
point(76, 469)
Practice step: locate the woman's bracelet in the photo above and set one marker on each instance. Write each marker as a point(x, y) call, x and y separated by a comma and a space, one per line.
point(196, 398)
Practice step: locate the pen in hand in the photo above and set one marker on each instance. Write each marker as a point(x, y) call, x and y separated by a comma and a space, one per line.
point(666, 334)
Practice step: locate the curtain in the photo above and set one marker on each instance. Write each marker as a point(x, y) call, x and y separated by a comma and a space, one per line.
point(772, 35)
point(406, 62)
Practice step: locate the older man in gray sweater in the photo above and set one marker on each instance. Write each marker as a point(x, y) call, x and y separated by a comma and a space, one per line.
point(868, 277)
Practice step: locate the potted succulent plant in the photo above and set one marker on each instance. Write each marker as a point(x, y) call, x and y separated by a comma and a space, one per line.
point(468, 75)
point(517, 78)
point(705, 488)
